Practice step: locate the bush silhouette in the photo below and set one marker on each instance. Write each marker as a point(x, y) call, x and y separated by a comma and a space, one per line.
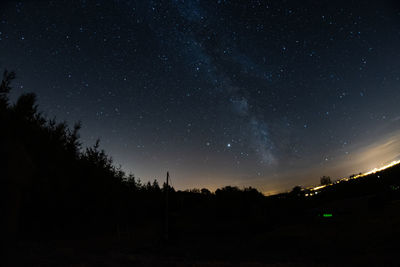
point(325, 180)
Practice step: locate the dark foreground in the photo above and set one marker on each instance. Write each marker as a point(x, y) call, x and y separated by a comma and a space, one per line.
point(360, 232)
point(62, 205)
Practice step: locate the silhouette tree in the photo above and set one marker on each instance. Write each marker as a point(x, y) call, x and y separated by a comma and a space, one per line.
point(5, 88)
point(205, 191)
point(297, 191)
point(325, 180)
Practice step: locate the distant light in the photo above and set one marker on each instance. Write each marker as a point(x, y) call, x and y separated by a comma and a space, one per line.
point(228, 145)
point(318, 187)
point(393, 163)
point(327, 215)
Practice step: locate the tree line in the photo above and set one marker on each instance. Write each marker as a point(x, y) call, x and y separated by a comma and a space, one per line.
point(52, 185)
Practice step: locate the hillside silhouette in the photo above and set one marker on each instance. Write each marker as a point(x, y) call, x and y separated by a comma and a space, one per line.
point(63, 205)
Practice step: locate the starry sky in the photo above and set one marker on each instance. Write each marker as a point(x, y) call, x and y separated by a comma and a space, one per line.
point(269, 94)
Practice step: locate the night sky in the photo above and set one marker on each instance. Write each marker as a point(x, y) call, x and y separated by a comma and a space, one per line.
point(269, 94)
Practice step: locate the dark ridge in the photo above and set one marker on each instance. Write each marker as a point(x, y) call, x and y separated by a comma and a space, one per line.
point(64, 205)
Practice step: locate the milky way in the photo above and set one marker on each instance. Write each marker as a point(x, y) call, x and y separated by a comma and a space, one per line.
point(263, 93)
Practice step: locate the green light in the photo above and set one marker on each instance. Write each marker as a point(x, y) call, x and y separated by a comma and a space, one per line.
point(327, 215)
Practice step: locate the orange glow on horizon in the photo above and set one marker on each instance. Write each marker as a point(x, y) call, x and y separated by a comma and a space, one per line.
point(375, 170)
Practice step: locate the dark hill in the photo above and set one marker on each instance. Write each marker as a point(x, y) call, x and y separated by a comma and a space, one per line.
point(63, 205)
